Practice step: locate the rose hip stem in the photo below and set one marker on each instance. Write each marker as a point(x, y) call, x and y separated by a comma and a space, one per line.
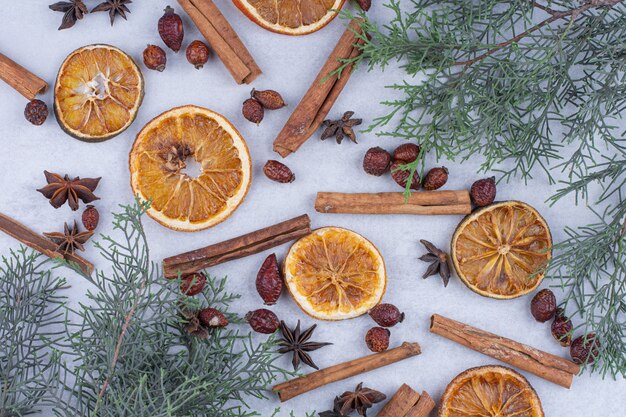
point(23, 81)
point(298, 386)
point(425, 203)
point(545, 365)
point(319, 99)
point(221, 36)
point(248, 244)
point(41, 243)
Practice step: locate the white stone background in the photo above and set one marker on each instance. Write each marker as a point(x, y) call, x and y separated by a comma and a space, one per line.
point(29, 35)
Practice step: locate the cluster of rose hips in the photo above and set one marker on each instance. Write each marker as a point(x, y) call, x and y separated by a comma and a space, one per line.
point(385, 315)
point(253, 108)
point(171, 30)
point(378, 161)
point(208, 317)
point(584, 349)
point(269, 285)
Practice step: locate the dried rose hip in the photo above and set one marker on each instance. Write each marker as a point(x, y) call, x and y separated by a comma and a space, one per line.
point(435, 178)
point(543, 305)
point(279, 172)
point(198, 54)
point(192, 284)
point(377, 339)
point(364, 4)
point(386, 315)
point(376, 161)
point(252, 110)
point(263, 321)
point(483, 191)
point(90, 218)
point(269, 280)
point(562, 328)
point(269, 99)
point(36, 112)
point(171, 29)
point(585, 349)
point(401, 176)
point(154, 58)
point(211, 317)
point(407, 152)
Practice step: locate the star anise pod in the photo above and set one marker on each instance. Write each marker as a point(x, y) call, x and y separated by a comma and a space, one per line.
point(61, 189)
point(439, 262)
point(360, 400)
point(74, 11)
point(335, 412)
point(114, 7)
point(193, 326)
point(297, 342)
point(71, 238)
point(342, 127)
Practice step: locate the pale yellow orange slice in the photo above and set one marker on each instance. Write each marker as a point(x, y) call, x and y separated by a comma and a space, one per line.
point(98, 92)
point(194, 167)
point(290, 17)
point(335, 274)
point(498, 251)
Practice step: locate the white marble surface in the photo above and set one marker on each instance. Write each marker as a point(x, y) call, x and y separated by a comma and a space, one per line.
point(28, 34)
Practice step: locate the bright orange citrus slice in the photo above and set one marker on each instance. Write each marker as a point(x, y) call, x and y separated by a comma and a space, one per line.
point(167, 151)
point(335, 274)
point(490, 391)
point(498, 250)
point(98, 92)
point(290, 17)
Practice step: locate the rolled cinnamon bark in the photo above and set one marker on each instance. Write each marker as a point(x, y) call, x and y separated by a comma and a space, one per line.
point(23, 81)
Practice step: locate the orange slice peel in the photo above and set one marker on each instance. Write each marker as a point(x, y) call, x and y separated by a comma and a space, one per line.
point(335, 274)
point(161, 163)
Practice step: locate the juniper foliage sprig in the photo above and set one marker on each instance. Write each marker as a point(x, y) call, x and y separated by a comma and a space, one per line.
point(31, 317)
point(132, 356)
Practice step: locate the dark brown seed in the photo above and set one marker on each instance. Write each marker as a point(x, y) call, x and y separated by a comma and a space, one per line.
point(211, 317)
point(36, 112)
point(377, 339)
point(198, 54)
point(401, 176)
point(483, 191)
point(365, 4)
point(543, 305)
point(90, 218)
point(407, 152)
point(171, 29)
point(562, 328)
point(192, 284)
point(269, 99)
point(279, 172)
point(253, 111)
point(376, 161)
point(269, 280)
point(386, 315)
point(435, 178)
point(585, 349)
point(154, 58)
point(263, 321)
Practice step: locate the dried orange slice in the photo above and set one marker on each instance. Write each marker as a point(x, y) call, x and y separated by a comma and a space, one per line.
point(193, 165)
point(335, 274)
point(490, 391)
point(497, 250)
point(98, 92)
point(290, 17)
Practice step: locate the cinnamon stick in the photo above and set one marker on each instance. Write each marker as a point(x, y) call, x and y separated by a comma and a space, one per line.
point(424, 203)
point(423, 407)
point(298, 386)
point(41, 244)
point(319, 99)
point(223, 39)
point(248, 244)
point(401, 402)
point(545, 365)
point(23, 81)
